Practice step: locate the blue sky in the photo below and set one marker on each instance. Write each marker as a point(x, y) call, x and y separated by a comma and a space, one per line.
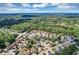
point(39, 7)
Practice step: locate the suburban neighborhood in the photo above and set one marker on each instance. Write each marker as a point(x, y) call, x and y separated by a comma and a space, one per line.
point(38, 43)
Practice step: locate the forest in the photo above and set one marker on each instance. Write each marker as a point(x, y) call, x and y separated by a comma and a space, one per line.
point(63, 25)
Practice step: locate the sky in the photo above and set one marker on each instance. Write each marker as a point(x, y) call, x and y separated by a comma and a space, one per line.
point(39, 7)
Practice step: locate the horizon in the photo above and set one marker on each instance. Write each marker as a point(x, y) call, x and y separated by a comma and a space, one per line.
point(39, 13)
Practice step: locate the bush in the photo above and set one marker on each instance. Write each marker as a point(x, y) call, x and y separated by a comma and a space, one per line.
point(6, 37)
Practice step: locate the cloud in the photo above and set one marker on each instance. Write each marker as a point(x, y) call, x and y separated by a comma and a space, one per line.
point(65, 6)
point(12, 9)
point(11, 5)
point(55, 4)
point(19, 10)
point(26, 5)
point(40, 5)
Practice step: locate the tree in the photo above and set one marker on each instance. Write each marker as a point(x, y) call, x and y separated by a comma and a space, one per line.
point(69, 50)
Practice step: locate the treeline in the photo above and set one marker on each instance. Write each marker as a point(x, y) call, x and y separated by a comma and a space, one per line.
point(8, 20)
